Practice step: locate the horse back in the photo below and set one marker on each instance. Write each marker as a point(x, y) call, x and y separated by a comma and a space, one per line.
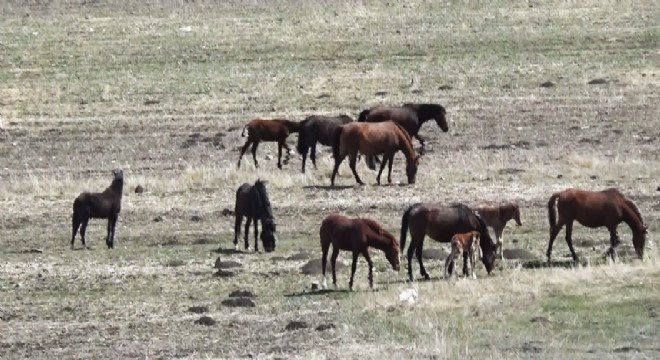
point(441, 223)
point(342, 232)
point(404, 116)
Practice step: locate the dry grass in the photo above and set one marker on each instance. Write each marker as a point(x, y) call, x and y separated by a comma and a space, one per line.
point(88, 87)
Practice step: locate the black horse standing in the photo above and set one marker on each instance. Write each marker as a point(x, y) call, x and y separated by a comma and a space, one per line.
point(317, 128)
point(252, 202)
point(104, 205)
point(410, 115)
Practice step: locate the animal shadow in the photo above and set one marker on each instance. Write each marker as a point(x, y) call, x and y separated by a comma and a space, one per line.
point(328, 187)
point(228, 251)
point(542, 264)
point(319, 292)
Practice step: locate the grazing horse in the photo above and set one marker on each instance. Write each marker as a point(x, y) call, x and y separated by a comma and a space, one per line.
point(356, 235)
point(461, 243)
point(275, 130)
point(441, 223)
point(317, 128)
point(252, 202)
point(104, 205)
point(372, 139)
point(595, 209)
point(410, 116)
point(497, 217)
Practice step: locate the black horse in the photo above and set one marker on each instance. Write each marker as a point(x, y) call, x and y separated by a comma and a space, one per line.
point(104, 205)
point(317, 128)
point(252, 202)
point(411, 116)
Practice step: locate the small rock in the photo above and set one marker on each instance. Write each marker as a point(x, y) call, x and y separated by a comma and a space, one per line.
point(195, 218)
point(547, 84)
point(597, 81)
point(159, 218)
point(444, 87)
point(540, 319)
point(560, 176)
point(593, 177)
point(242, 293)
point(205, 320)
point(198, 309)
point(224, 273)
point(238, 302)
point(227, 212)
point(658, 189)
point(324, 327)
point(33, 251)
point(139, 189)
point(228, 264)
point(295, 325)
point(381, 93)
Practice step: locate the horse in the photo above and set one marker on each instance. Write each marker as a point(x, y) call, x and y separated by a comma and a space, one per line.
point(460, 244)
point(497, 217)
point(372, 139)
point(103, 205)
point(594, 209)
point(441, 223)
point(275, 130)
point(252, 202)
point(356, 235)
point(410, 115)
point(317, 128)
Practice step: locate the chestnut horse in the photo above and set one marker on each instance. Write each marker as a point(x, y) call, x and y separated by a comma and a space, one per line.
point(460, 244)
point(497, 217)
point(441, 223)
point(317, 128)
point(595, 209)
point(372, 139)
point(356, 235)
point(410, 116)
point(275, 130)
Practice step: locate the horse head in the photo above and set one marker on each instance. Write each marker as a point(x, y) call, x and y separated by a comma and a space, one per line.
point(393, 252)
point(441, 119)
point(516, 214)
point(268, 234)
point(411, 169)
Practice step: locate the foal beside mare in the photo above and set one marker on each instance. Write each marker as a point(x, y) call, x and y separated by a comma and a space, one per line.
point(460, 244)
point(497, 217)
point(103, 205)
point(276, 130)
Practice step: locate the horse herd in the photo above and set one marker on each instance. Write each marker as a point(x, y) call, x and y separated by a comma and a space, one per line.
point(385, 131)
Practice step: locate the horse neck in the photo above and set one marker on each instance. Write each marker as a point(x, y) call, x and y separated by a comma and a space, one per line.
point(633, 218)
point(424, 113)
point(378, 241)
point(117, 186)
point(292, 126)
point(263, 207)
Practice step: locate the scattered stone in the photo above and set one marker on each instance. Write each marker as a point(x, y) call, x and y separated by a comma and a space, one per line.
point(205, 320)
point(593, 177)
point(151, 102)
point(228, 264)
point(227, 212)
point(242, 293)
point(417, 91)
point(238, 302)
point(598, 81)
point(195, 218)
point(658, 189)
point(547, 84)
point(175, 263)
point(381, 93)
point(324, 327)
point(296, 325)
point(560, 176)
point(33, 251)
point(224, 273)
point(540, 319)
point(323, 96)
point(444, 87)
point(198, 309)
point(159, 218)
point(299, 256)
point(510, 171)
point(139, 189)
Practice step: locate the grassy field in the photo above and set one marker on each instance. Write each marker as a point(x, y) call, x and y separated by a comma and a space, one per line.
point(162, 89)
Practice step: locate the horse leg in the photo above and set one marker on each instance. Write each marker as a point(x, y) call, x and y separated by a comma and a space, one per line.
point(569, 240)
point(83, 230)
point(279, 155)
point(473, 261)
point(411, 251)
point(465, 263)
point(287, 156)
point(248, 222)
point(312, 153)
point(256, 235)
point(382, 167)
point(237, 230)
point(449, 262)
point(418, 253)
point(500, 245)
point(254, 153)
point(324, 261)
point(389, 168)
point(335, 170)
point(333, 261)
point(243, 150)
point(365, 253)
point(553, 235)
point(76, 224)
point(353, 268)
point(614, 242)
point(109, 240)
point(353, 161)
point(421, 143)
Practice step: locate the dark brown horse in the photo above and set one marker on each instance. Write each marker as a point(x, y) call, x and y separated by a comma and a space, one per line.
point(317, 128)
point(595, 209)
point(410, 116)
point(496, 217)
point(372, 139)
point(104, 205)
point(252, 202)
point(275, 130)
point(460, 244)
point(356, 235)
point(441, 223)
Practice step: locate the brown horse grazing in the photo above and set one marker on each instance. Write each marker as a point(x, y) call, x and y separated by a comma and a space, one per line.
point(410, 116)
point(275, 130)
point(372, 139)
point(356, 235)
point(595, 209)
point(497, 217)
point(252, 202)
point(104, 205)
point(460, 244)
point(441, 223)
point(317, 128)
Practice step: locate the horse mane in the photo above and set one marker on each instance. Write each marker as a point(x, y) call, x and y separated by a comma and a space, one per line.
point(631, 204)
point(375, 227)
point(405, 134)
point(262, 198)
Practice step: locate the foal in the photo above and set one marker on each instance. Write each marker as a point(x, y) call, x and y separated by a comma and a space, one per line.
point(497, 217)
point(356, 235)
point(460, 243)
point(104, 205)
point(276, 130)
point(253, 203)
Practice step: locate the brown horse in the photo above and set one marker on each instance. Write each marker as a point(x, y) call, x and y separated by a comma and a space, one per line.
point(317, 128)
point(410, 116)
point(595, 209)
point(460, 244)
point(372, 139)
point(275, 130)
point(441, 223)
point(356, 235)
point(497, 217)
point(252, 202)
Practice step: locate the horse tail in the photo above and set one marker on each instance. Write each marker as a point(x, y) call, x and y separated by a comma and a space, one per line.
point(336, 138)
point(363, 115)
point(302, 145)
point(404, 227)
point(552, 214)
